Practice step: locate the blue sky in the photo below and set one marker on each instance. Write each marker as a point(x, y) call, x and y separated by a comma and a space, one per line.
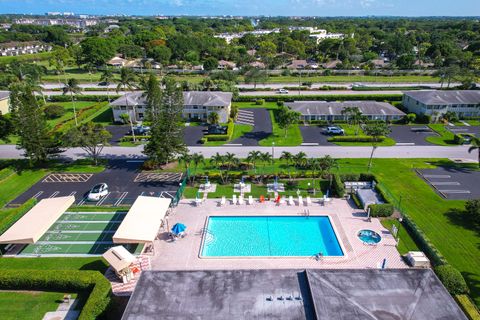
point(249, 7)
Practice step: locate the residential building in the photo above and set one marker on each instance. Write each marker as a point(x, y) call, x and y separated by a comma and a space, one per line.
point(226, 65)
point(332, 64)
point(257, 64)
point(197, 105)
point(4, 102)
point(72, 22)
point(332, 111)
point(465, 103)
point(299, 64)
point(20, 48)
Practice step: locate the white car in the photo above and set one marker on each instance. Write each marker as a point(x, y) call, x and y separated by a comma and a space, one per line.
point(282, 91)
point(335, 130)
point(98, 192)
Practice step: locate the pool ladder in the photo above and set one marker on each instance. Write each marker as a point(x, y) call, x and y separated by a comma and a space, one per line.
point(209, 236)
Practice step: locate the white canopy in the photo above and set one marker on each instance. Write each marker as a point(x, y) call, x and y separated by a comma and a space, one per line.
point(143, 220)
point(119, 258)
point(33, 225)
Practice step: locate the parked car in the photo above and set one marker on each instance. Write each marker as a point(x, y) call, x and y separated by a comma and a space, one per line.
point(282, 91)
point(104, 83)
point(216, 129)
point(335, 131)
point(98, 192)
point(140, 130)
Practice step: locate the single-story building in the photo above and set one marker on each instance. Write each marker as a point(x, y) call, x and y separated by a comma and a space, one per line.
point(331, 111)
point(197, 105)
point(465, 103)
point(361, 294)
point(226, 65)
point(4, 102)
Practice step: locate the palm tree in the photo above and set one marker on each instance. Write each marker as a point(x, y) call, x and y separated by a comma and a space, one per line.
point(314, 165)
point(475, 146)
point(265, 157)
point(219, 161)
point(126, 81)
point(253, 157)
point(327, 163)
point(107, 77)
point(197, 159)
point(72, 87)
point(287, 157)
point(376, 131)
point(213, 118)
point(299, 159)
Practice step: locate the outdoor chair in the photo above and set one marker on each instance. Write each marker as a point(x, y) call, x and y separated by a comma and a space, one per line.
point(234, 199)
point(240, 200)
point(290, 201)
point(250, 200)
point(282, 200)
point(223, 201)
point(309, 201)
point(300, 201)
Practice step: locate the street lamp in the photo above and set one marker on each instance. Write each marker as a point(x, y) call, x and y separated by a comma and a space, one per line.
point(273, 151)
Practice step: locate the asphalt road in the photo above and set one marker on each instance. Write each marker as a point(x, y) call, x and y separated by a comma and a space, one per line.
point(318, 92)
point(457, 152)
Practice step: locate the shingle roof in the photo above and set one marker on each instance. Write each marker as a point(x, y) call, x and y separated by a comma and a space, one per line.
point(335, 108)
point(4, 95)
point(437, 97)
point(199, 98)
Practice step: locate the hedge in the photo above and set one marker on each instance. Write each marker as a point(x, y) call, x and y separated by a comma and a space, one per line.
point(357, 177)
point(338, 189)
point(423, 242)
point(355, 139)
point(333, 97)
point(222, 137)
point(137, 138)
point(10, 216)
point(93, 98)
point(59, 280)
point(452, 279)
point(467, 306)
point(459, 138)
point(381, 210)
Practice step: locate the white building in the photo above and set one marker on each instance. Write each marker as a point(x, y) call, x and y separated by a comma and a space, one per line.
point(465, 103)
point(20, 48)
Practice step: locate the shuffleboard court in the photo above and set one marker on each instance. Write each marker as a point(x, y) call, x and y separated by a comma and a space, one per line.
point(80, 233)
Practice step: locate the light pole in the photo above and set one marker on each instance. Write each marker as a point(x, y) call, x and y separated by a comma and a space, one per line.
point(273, 152)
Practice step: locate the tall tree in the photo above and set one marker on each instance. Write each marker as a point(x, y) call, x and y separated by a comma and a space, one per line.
point(253, 157)
point(127, 82)
point(197, 159)
point(6, 127)
point(354, 117)
point(286, 118)
point(255, 76)
point(288, 158)
point(213, 118)
point(72, 87)
point(107, 77)
point(166, 134)
point(376, 131)
point(91, 137)
point(31, 125)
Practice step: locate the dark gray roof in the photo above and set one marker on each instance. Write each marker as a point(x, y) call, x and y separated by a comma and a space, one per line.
point(199, 98)
point(361, 294)
point(335, 108)
point(441, 97)
point(4, 94)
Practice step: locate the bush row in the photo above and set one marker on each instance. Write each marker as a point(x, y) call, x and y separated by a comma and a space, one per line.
point(461, 138)
point(333, 97)
point(357, 177)
point(221, 137)
point(63, 281)
point(468, 306)
point(338, 188)
point(137, 138)
point(452, 279)
point(381, 210)
point(355, 139)
point(93, 98)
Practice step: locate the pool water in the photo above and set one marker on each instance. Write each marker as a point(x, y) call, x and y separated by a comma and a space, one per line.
point(262, 236)
point(369, 236)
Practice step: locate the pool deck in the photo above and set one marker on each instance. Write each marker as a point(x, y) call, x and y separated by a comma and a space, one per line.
point(183, 254)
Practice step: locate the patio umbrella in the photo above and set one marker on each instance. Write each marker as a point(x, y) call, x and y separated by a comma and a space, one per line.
point(178, 228)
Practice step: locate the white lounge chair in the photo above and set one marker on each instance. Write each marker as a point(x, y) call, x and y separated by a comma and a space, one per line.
point(290, 201)
point(198, 202)
point(309, 201)
point(300, 201)
point(282, 200)
point(234, 199)
point(250, 200)
point(240, 200)
point(223, 201)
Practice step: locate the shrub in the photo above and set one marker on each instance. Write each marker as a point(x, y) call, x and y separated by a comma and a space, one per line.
point(291, 184)
point(355, 139)
point(357, 201)
point(424, 118)
point(280, 103)
point(338, 189)
point(54, 111)
point(137, 138)
point(259, 102)
point(472, 207)
point(452, 279)
point(217, 137)
point(381, 210)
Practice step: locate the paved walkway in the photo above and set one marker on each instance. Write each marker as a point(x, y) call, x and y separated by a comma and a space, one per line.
point(183, 254)
point(457, 152)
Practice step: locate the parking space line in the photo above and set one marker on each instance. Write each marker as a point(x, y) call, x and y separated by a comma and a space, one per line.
point(120, 199)
point(437, 176)
point(54, 194)
point(82, 202)
point(36, 195)
point(73, 193)
point(455, 191)
point(99, 203)
point(447, 183)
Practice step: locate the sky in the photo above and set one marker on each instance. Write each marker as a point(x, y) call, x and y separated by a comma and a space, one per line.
point(249, 7)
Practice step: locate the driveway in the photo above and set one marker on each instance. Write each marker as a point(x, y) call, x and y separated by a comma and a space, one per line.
point(193, 134)
point(465, 129)
point(117, 132)
point(453, 183)
point(262, 126)
point(124, 179)
point(314, 135)
point(408, 135)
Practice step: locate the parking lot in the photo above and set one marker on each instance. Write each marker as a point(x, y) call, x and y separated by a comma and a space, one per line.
point(466, 129)
point(411, 135)
point(453, 183)
point(124, 179)
point(80, 233)
point(315, 135)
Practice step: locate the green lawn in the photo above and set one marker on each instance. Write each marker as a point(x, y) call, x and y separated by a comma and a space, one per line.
point(28, 305)
point(94, 264)
point(352, 130)
point(406, 243)
point(445, 137)
point(68, 106)
point(238, 131)
point(278, 137)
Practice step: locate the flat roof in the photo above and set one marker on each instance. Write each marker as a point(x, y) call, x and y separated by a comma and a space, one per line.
point(31, 227)
point(143, 220)
point(367, 294)
point(335, 108)
point(440, 97)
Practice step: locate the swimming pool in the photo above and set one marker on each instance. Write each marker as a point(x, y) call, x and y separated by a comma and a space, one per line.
point(275, 236)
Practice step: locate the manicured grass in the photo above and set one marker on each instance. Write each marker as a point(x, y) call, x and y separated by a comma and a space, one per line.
point(68, 106)
point(473, 122)
point(445, 137)
point(42, 56)
point(28, 305)
point(293, 137)
point(72, 263)
point(238, 131)
point(406, 243)
point(352, 130)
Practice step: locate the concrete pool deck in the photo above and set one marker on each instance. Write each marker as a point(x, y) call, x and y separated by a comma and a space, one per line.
point(183, 254)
